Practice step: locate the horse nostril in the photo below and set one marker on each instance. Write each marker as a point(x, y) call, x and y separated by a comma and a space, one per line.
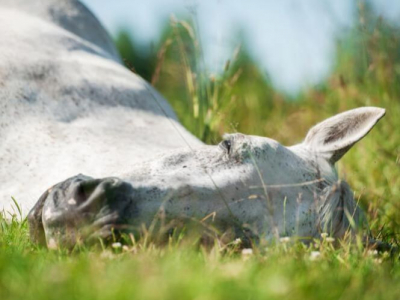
point(80, 207)
point(79, 194)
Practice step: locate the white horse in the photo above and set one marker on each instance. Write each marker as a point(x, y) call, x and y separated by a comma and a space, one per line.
point(68, 106)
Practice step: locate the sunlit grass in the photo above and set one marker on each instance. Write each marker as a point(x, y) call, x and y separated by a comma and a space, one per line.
point(185, 270)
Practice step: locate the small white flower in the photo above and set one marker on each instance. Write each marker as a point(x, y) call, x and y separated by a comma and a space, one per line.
point(372, 252)
point(315, 255)
point(284, 240)
point(324, 235)
point(237, 241)
point(378, 260)
point(116, 245)
point(247, 252)
point(330, 239)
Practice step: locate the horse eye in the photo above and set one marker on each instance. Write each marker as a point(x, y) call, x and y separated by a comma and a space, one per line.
point(226, 145)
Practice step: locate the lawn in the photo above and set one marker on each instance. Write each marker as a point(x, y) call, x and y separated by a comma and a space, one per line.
point(184, 270)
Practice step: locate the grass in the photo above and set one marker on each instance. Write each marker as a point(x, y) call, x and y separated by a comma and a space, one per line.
point(184, 270)
point(241, 99)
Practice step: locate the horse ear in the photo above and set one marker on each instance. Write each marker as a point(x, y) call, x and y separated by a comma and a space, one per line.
point(335, 136)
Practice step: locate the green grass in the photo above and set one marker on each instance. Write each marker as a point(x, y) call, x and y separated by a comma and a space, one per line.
point(184, 270)
point(367, 72)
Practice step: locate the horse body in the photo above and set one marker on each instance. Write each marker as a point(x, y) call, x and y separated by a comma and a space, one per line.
point(68, 106)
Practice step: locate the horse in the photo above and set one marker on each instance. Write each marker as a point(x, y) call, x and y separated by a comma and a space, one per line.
point(103, 151)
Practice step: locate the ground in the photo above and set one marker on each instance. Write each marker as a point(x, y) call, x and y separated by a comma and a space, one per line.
point(183, 270)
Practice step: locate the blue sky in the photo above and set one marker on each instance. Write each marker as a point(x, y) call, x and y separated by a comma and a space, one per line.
point(293, 40)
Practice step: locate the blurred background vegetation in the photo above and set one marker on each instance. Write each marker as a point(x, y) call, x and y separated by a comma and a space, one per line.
point(243, 99)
